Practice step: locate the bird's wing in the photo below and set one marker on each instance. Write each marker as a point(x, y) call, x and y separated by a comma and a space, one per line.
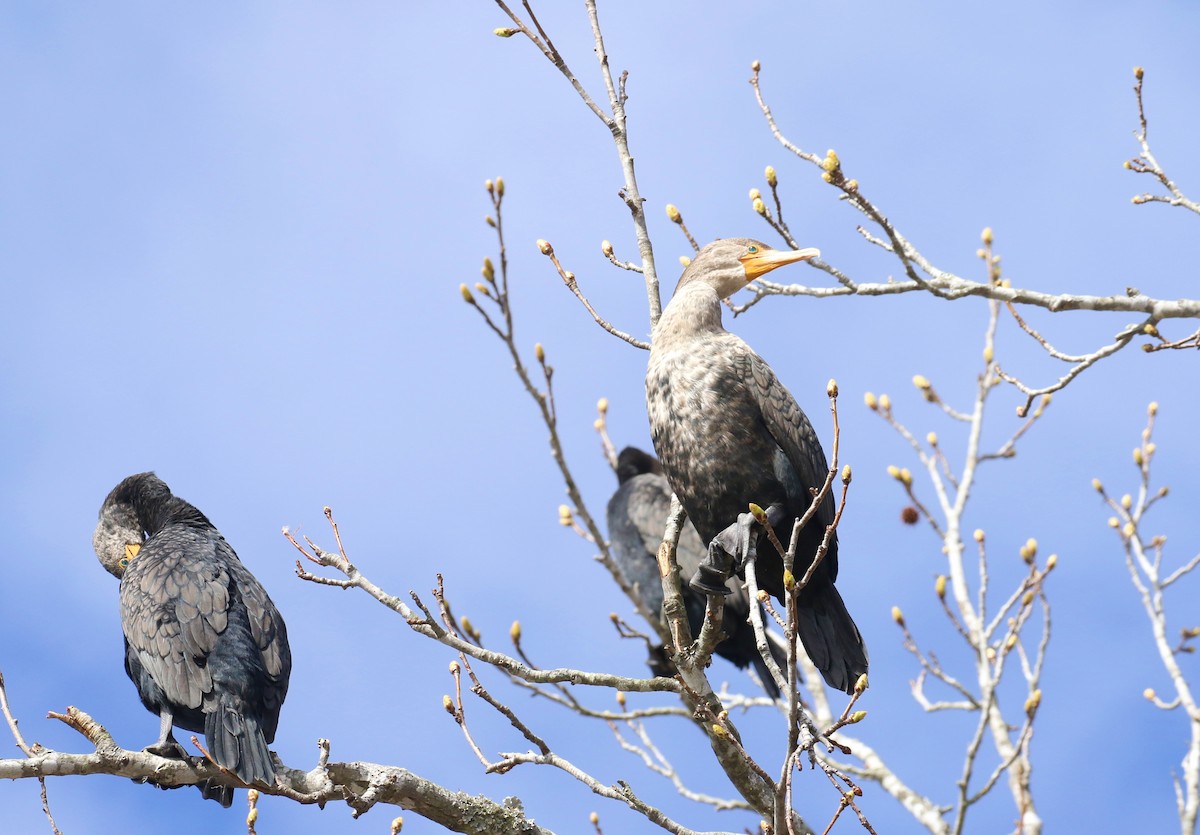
point(174, 607)
point(795, 436)
point(270, 636)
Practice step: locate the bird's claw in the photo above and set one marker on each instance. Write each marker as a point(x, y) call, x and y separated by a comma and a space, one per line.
point(170, 749)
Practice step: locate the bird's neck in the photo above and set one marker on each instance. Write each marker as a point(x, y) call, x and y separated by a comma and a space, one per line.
point(694, 310)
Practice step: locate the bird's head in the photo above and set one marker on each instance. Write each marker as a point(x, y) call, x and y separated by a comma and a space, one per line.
point(634, 462)
point(119, 533)
point(729, 264)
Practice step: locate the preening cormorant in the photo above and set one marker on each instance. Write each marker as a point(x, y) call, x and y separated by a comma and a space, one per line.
point(204, 645)
point(728, 433)
point(637, 516)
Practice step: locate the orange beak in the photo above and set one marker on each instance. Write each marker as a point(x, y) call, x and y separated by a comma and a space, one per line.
point(761, 263)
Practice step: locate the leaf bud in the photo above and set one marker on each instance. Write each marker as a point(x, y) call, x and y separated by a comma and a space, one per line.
point(755, 66)
point(1031, 704)
point(1010, 641)
point(772, 180)
point(514, 631)
point(602, 405)
point(1027, 598)
point(1097, 486)
point(505, 32)
point(856, 717)
point(539, 352)
point(826, 176)
point(489, 272)
point(851, 185)
point(989, 354)
point(1162, 491)
point(846, 474)
point(1051, 561)
point(621, 698)
point(469, 628)
point(564, 515)
point(979, 535)
point(871, 401)
point(1148, 694)
point(448, 704)
point(931, 439)
point(594, 818)
point(489, 221)
point(939, 586)
point(685, 261)
point(482, 288)
point(789, 580)
point(606, 247)
point(921, 382)
point(755, 194)
point(673, 213)
point(453, 667)
point(1138, 72)
point(831, 388)
point(861, 683)
point(831, 161)
point(905, 477)
point(1150, 449)
point(760, 206)
point(499, 186)
point(986, 236)
point(466, 294)
point(758, 513)
point(1127, 501)
point(598, 424)
point(893, 471)
point(1126, 165)
point(1137, 456)
point(897, 615)
point(719, 731)
point(885, 402)
point(489, 185)
point(1149, 329)
point(1113, 522)
point(1152, 409)
point(544, 247)
point(397, 825)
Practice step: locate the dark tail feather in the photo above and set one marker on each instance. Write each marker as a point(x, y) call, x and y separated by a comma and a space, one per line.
point(236, 741)
point(211, 790)
point(831, 638)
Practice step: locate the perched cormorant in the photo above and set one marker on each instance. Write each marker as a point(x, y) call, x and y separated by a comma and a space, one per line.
point(637, 516)
point(204, 645)
point(728, 433)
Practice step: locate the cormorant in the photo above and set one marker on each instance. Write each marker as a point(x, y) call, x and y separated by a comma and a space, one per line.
point(637, 516)
point(728, 433)
point(204, 645)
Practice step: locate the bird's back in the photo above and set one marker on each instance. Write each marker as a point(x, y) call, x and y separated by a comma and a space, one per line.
point(201, 626)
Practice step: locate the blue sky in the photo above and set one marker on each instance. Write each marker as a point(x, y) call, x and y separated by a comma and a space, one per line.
point(233, 240)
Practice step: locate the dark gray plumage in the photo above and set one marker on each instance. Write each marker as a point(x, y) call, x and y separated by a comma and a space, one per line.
point(204, 645)
point(728, 433)
point(637, 517)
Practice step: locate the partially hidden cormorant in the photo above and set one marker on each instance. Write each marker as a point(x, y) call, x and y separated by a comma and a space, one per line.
point(637, 516)
point(204, 645)
point(728, 433)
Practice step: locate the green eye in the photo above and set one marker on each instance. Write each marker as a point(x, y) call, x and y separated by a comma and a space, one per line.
point(752, 249)
point(124, 563)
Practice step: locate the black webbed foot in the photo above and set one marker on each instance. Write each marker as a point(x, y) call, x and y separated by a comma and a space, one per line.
point(168, 748)
point(726, 553)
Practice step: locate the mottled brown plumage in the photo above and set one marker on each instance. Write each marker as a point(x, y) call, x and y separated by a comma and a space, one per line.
point(204, 645)
point(728, 433)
